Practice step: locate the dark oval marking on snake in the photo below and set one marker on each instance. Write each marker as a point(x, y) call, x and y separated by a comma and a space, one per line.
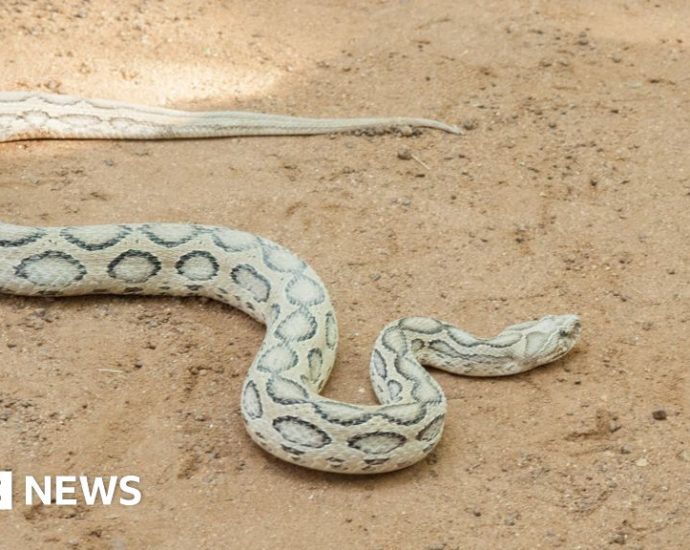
point(315, 361)
point(376, 461)
point(285, 392)
point(442, 348)
point(331, 331)
point(298, 326)
point(301, 432)
point(134, 266)
point(22, 236)
point(275, 312)
point(423, 388)
point(378, 364)
point(231, 240)
point(377, 443)
point(394, 390)
point(405, 414)
point(51, 268)
point(292, 450)
point(340, 413)
point(251, 401)
point(431, 431)
point(167, 234)
point(304, 291)
point(197, 265)
point(279, 259)
point(467, 340)
point(74, 235)
point(249, 279)
point(425, 325)
point(394, 339)
point(277, 359)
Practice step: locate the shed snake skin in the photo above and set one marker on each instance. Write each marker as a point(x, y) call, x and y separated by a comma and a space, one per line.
point(280, 401)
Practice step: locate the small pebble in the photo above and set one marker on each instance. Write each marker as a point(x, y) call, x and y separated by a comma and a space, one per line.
point(659, 414)
point(470, 124)
point(618, 538)
point(405, 154)
point(511, 519)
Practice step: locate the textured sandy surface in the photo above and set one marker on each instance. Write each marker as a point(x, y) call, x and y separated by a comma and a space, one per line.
point(569, 192)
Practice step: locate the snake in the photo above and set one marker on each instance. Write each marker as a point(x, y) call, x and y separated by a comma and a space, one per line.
point(281, 403)
point(34, 115)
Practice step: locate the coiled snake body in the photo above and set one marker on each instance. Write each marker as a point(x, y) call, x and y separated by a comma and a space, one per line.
point(280, 402)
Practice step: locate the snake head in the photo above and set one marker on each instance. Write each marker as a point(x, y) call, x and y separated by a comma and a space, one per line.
point(545, 339)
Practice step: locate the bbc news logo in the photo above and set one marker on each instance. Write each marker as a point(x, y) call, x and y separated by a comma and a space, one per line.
point(5, 490)
point(72, 490)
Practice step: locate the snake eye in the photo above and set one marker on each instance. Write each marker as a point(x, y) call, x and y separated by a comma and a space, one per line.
point(572, 330)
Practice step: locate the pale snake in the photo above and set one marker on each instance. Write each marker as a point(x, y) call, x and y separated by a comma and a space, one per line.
point(28, 115)
point(280, 403)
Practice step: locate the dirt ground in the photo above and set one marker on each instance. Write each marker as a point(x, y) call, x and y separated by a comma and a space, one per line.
point(568, 192)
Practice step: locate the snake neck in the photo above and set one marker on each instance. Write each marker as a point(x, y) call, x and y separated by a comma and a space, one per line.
point(518, 348)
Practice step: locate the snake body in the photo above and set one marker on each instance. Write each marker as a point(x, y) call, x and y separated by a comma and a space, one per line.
point(31, 115)
point(281, 405)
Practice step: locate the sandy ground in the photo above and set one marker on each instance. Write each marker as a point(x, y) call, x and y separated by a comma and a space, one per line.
point(568, 192)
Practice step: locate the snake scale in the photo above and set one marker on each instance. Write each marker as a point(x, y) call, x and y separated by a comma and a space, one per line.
point(281, 403)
